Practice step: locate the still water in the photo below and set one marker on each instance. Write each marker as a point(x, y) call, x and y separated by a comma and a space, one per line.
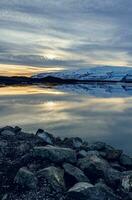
point(95, 113)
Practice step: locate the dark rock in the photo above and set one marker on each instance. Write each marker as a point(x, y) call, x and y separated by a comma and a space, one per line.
point(87, 191)
point(55, 154)
point(73, 174)
point(17, 129)
point(93, 153)
point(117, 166)
point(7, 128)
point(47, 138)
point(73, 142)
point(126, 161)
point(7, 133)
point(5, 197)
point(54, 176)
point(94, 166)
point(26, 179)
point(23, 148)
point(98, 146)
point(112, 178)
point(112, 154)
point(82, 154)
point(126, 181)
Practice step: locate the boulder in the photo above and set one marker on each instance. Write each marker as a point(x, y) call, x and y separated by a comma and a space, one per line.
point(45, 136)
point(26, 179)
point(112, 154)
point(73, 174)
point(75, 143)
point(82, 154)
point(54, 176)
point(7, 133)
point(112, 178)
point(98, 146)
point(55, 154)
point(126, 161)
point(17, 129)
point(117, 166)
point(87, 191)
point(93, 166)
point(23, 148)
point(126, 181)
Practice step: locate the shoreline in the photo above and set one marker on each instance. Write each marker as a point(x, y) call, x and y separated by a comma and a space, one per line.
point(17, 80)
point(40, 167)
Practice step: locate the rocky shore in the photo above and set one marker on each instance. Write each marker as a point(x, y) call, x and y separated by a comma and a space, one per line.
point(43, 167)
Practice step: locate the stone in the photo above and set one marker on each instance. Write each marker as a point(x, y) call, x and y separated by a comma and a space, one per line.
point(55, 154)
point(73, 142)
point(126, 161)
point(23, 148)
point(45, 136)
point(74, 174)
point(93, 166)
point(7, 133)
point(54, 176)
point(7, 128)
point(26, 179)
point(98, 146)
point(112, 154)
point(126, 181)
point(87, 191)
point(82, 154)
point(117, 166)
point(17, 129)
point(112, 178)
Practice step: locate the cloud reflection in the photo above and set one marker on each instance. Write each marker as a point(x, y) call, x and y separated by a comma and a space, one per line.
point(68, 114)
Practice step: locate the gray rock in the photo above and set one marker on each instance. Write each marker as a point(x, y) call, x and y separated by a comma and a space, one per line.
point(117, 166)
point(54, 176)
point(112, 178)
point(17, 129)
point(82, 154)
point(23, 148)
point(73, 142)
point(93, 153)
point(98, 146)
point(5, 197)
point(74, 174)
point(7, 128)
point(125, 160)
point(47, 137)
point(94, 166)
point(55, 154)
point(126, 181)
point(112, 154)
point(26, 179)
point(87, 191)
point(7, 133)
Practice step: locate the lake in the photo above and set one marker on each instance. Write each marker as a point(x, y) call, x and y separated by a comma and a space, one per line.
point(93, 112)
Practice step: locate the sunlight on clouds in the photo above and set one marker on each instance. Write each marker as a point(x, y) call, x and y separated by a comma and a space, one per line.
point(17, 70)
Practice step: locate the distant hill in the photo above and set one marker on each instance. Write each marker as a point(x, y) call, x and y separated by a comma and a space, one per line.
point(113, 74)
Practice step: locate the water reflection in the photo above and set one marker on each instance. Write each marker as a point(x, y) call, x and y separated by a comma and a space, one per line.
point(68, 114)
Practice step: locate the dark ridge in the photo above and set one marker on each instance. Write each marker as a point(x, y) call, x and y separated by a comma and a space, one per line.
point(14, 80)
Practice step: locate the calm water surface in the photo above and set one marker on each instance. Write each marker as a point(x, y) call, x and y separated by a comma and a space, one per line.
point(71, 112)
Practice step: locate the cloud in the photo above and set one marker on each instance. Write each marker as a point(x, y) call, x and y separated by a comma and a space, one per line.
point(95, 32)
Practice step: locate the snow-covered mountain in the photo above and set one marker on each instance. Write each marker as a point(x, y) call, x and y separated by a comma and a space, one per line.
point(94, 74)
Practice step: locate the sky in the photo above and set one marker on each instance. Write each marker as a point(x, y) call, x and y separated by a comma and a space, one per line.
point(42, 35)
